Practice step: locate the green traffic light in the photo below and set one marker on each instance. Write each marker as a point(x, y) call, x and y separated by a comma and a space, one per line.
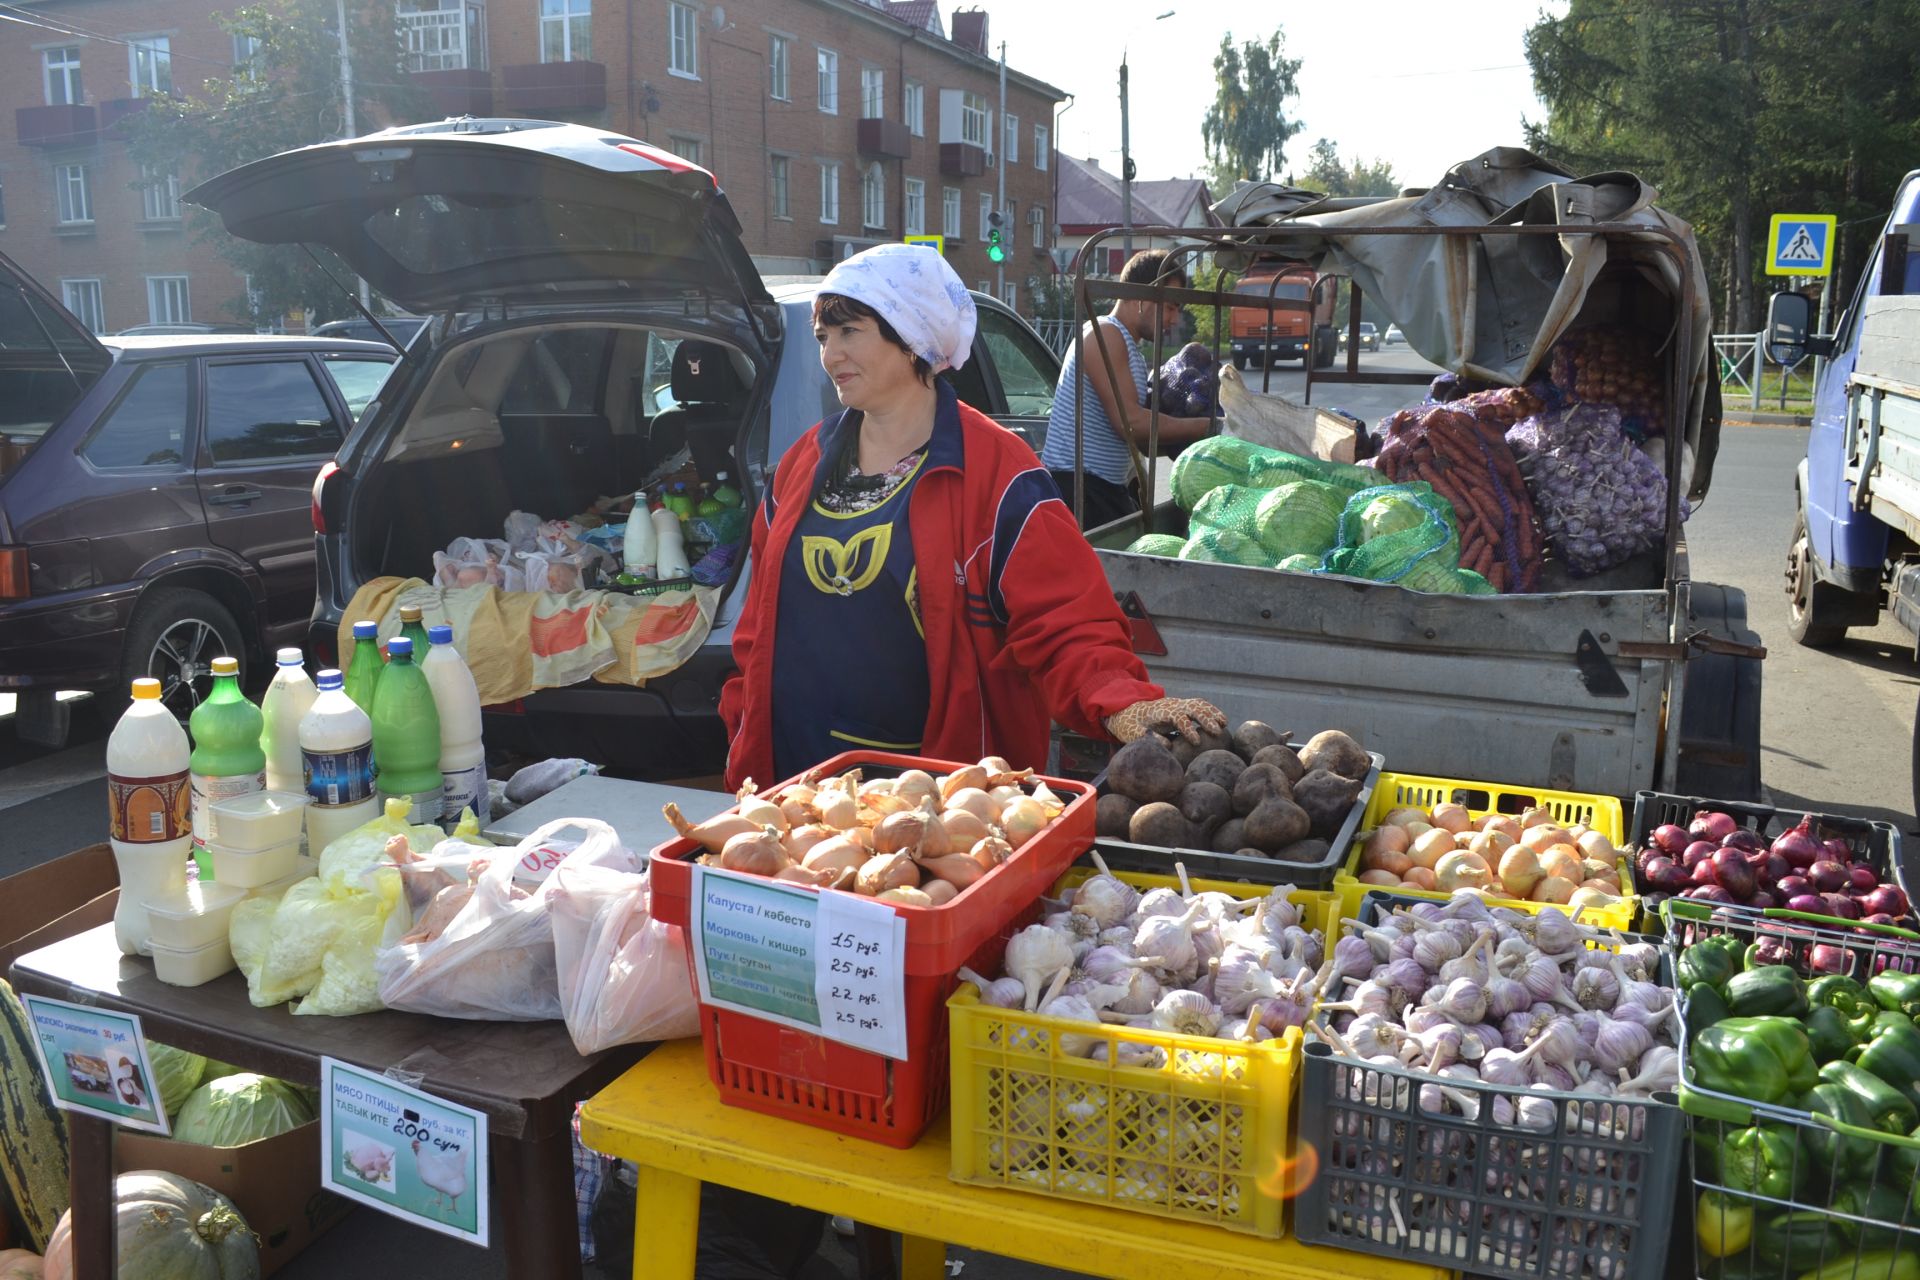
point(995, 251)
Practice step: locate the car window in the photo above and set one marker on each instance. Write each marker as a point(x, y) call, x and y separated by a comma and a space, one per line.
point(147, 427)
point(1026, 368)
point(657, 382)
point(970, 384)
point(358, 378)
point(561, 373)
point(262, 410)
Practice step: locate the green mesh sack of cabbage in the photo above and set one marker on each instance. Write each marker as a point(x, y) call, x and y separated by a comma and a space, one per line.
point(1157, 544)
point(1298, 519)
point(1400, 533)
point(1224, 546)
point(1229, 460)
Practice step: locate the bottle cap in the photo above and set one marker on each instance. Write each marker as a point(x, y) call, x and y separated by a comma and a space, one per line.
point(365, 630)
point(400, 647)
point(146, 688)
point(441, 634)
point(409, 613)
point(290, 657)
point(226, 666)
point(329, 679)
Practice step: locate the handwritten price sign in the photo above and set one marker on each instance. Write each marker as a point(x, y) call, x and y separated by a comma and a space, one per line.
point(861, 982)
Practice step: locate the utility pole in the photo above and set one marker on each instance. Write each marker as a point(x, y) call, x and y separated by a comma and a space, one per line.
point(1000, 197)
point(346, 105)
point(1126, 167)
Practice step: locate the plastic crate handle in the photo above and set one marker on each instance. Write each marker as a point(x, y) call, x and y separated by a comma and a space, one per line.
point(1702, 913)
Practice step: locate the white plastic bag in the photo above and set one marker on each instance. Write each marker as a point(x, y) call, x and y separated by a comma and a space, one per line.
point(492, 957)
point(623, 975)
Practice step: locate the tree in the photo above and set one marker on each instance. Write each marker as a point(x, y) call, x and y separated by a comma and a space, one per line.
point(1246, 129)
point(287, 94)
point(1327, 172)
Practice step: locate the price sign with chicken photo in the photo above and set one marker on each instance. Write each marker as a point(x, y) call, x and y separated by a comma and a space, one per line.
point(398, 1149)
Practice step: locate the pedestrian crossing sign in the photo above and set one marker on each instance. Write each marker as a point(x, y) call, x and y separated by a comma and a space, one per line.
point(1800, 244)
point(936, 243)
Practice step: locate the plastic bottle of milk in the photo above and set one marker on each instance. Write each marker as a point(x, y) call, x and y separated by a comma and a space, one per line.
point(406, 736)
point(287, 701)
point(227, 760)
point(336, 759)
point(149, 811)
point(463, 760)
point(638, 548)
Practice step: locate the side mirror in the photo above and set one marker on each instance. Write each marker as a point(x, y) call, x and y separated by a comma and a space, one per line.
point(1789, 321)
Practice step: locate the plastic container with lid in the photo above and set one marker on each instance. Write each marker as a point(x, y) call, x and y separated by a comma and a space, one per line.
point(257, 820)
point(192, 966)
point(193, 917)
point(304, 868)
point(251, 868)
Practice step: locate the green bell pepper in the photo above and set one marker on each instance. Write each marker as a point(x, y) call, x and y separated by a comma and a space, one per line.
point(1891, 1110)
point(1892, 1053)
point(1770, 990)
point(1794, 1242)
point(1828, 1032)
point(1886, 1207)
point(1705, 1006)
point(1840, 1156)
point(1841, 993)
point(1762, 1059)
point(1896, 1264)
point(1761, 1160)
point(1897, 991)
point(1711, 960)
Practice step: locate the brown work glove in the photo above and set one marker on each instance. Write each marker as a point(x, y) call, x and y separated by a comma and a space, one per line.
point(1189, 716)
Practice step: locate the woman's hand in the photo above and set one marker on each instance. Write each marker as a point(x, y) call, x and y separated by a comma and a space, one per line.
point(1190, 716)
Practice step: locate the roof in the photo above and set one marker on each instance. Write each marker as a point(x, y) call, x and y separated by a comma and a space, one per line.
point(218, 343)
point(923, 15)
point(1090, 197)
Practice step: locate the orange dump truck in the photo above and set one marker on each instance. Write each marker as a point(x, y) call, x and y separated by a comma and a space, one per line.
point(1261, 336)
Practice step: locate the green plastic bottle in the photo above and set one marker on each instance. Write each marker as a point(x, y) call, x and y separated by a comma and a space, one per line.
point(227, 760)
point(406, 735)
point(363, 667)
point(723, 491)
point(413, 628)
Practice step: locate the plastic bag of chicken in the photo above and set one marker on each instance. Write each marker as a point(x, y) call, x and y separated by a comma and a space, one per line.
point(623, 975)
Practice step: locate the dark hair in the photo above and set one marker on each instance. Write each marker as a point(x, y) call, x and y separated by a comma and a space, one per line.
point(838, 308)
point(1152, 266)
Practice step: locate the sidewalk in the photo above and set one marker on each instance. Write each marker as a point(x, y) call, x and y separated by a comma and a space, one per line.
point(1732, 417)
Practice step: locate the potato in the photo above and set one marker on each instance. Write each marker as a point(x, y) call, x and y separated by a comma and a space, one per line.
point(1254, 735)
point(1303, 851)
point(1256, 784)
point(1276, 823)
point(1283, 758)
point(1251, 852)
point(1221, 768)
point(1206, 805)
point(1186, 752)
point(1229, 837)
point(1145, 770)
point(1112, 814)
point(1328, 798)
point(1335, 751)
point(1161, 824)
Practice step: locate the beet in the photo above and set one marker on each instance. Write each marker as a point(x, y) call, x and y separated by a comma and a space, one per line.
point(1827, 877)
point(1327, 797)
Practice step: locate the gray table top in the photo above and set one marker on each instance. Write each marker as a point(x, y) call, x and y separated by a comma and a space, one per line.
point(630, 808)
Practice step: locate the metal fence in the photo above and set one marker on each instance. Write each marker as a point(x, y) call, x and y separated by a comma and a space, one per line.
point(1743, 362)
point(1057, 334)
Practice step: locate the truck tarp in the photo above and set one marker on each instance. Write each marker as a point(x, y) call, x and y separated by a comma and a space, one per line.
point(1489, 307)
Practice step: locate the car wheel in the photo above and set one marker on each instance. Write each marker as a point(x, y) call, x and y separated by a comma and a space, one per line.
point(1807, 622)
point(174, 637)
point(1239, 360)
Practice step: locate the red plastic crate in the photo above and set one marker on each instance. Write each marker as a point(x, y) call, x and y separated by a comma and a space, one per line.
point(780, 1071)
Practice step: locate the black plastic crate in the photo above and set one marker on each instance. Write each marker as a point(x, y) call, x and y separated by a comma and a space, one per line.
point(1876, 844)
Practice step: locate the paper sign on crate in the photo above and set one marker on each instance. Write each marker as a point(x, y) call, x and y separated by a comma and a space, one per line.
point(96, 1063)
point(403, 1151)
point(829, 963)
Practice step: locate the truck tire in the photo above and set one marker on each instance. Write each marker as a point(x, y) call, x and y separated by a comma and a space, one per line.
point(1812, 607)
point(175, 635)
point(1324, 346)
point(1720, 708)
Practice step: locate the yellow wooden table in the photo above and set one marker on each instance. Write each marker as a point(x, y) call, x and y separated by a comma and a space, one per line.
point(665, 1117)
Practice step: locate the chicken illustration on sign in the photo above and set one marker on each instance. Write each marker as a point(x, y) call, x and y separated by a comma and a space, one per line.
point(444, 1171)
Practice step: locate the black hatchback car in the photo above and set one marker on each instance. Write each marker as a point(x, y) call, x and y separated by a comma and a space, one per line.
point(155, 497)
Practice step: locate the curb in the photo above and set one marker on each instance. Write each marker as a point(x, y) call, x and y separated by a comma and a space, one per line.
point(1765, 420)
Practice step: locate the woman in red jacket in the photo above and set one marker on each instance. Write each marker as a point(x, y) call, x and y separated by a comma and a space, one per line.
point(918, 585)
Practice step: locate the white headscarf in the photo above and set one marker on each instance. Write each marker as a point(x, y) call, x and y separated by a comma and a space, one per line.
point(917, 293)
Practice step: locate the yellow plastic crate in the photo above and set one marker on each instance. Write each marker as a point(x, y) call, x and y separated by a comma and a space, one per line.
point(1203, 1137)
point(1407, 790)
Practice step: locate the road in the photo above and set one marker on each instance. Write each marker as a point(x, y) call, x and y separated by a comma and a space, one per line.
point(1837, 731)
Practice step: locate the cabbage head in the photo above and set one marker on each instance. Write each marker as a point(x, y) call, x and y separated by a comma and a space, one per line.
point(235, 1110)
point(176, 1073)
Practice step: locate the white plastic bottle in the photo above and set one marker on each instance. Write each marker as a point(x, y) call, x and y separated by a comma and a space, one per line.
point(336, 759)
point(639, 548)
point(149, 811)
point(463, 760)
point(288, 698)
point(671, 550)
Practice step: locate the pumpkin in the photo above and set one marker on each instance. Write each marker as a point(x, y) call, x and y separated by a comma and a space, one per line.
point(33, 1135)
point(168, 1228)
point(19, 1264)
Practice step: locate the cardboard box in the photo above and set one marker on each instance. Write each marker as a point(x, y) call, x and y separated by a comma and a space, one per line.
point(275, 1183)
point(55, 900)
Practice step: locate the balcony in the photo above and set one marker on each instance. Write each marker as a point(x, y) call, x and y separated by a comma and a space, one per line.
point(962, 160)
point(114, 111)
point(535, 87)
point(64, 126)
point(886, 138)
point(445, 39)
point(458, 92)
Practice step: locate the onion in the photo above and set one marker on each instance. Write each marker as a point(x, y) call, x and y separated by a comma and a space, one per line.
point(1771, 867)
point(1556, 889)
point(1711, 825)
point(1671, 839)
point(1385, 879)
point(1826, 958)
point(1595, 845)
point(1798, 846)
point(1421, 878)
point(1827, 877)
point(1837, 849)
point(1458, 869)
point(1762, 901)
point(1704, 872)
point(1453, 817)
point(1744, 840)
point(1520, 869)
point(1539, 816)
point(1397, 864)
point(1860, 878)
point(1793, 886)
point(1504, 825)
point(1664, 874)
point(1708, 893)
point(1542, 836)
point(1696, 853)
point(1736, 877)
point(1401, 817)
point(1388, 839)
point(1885, 900)
point(1563, 860)
point(1430, 847)
point(1811, 903)
point(1839, 904)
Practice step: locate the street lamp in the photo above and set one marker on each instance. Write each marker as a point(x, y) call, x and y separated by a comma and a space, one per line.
point(1126, 153)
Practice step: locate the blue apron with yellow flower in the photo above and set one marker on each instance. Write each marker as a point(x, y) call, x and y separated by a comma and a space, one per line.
point(850, 658)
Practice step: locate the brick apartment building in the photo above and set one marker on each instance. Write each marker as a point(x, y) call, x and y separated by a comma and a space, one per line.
point(831, 124)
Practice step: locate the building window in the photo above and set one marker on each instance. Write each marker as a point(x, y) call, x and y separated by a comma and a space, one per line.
point(687, 149)
point(72, 201)
point(1037, 219)
point(914, 109)
point(973, 120)
point(683, 41)
point(62, 67)
point(986, 214)
point(1012, 143)
point(1011, 296)
point(829, 94)
point(777, 68)
point(82, 297)
point(1040, 148)
point(246, 54)
point(873, 93)
point(159, 194)
point(873, 196)
point(782, 199)
point(829, 193)
point(167, 300)
point(150, 63)
point(950, 212)
point(566, 30)
point(916, 210)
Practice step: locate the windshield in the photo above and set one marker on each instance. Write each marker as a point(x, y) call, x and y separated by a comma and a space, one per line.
point(1289, 289)
point(46, 365)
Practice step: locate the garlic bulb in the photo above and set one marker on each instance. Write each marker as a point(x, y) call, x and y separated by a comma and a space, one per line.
point(1185, 1013)
point(1035, 955)
point(1107, 900)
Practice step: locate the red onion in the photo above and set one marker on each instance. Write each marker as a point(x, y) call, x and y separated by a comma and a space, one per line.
point(1886, 900)
point(1771, 869)
point(1860, 878)
point(1704, 871)
point(1770, 951)
point(1793, 886)
point(1712, 826)
point(1878, 917)
point(1798, 846)
point(1708, 893)
point(1671, 839)
point(1812, 903)
point(1665, 875)
point(1839, 904)
point(1762, 901)
point(1696, 853)
point(1827, 877)
point(1733, 874)
point(1826, 958)
point(1744, 840)
point(1837, 849)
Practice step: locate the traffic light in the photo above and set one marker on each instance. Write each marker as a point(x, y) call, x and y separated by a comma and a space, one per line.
point(996, 251)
